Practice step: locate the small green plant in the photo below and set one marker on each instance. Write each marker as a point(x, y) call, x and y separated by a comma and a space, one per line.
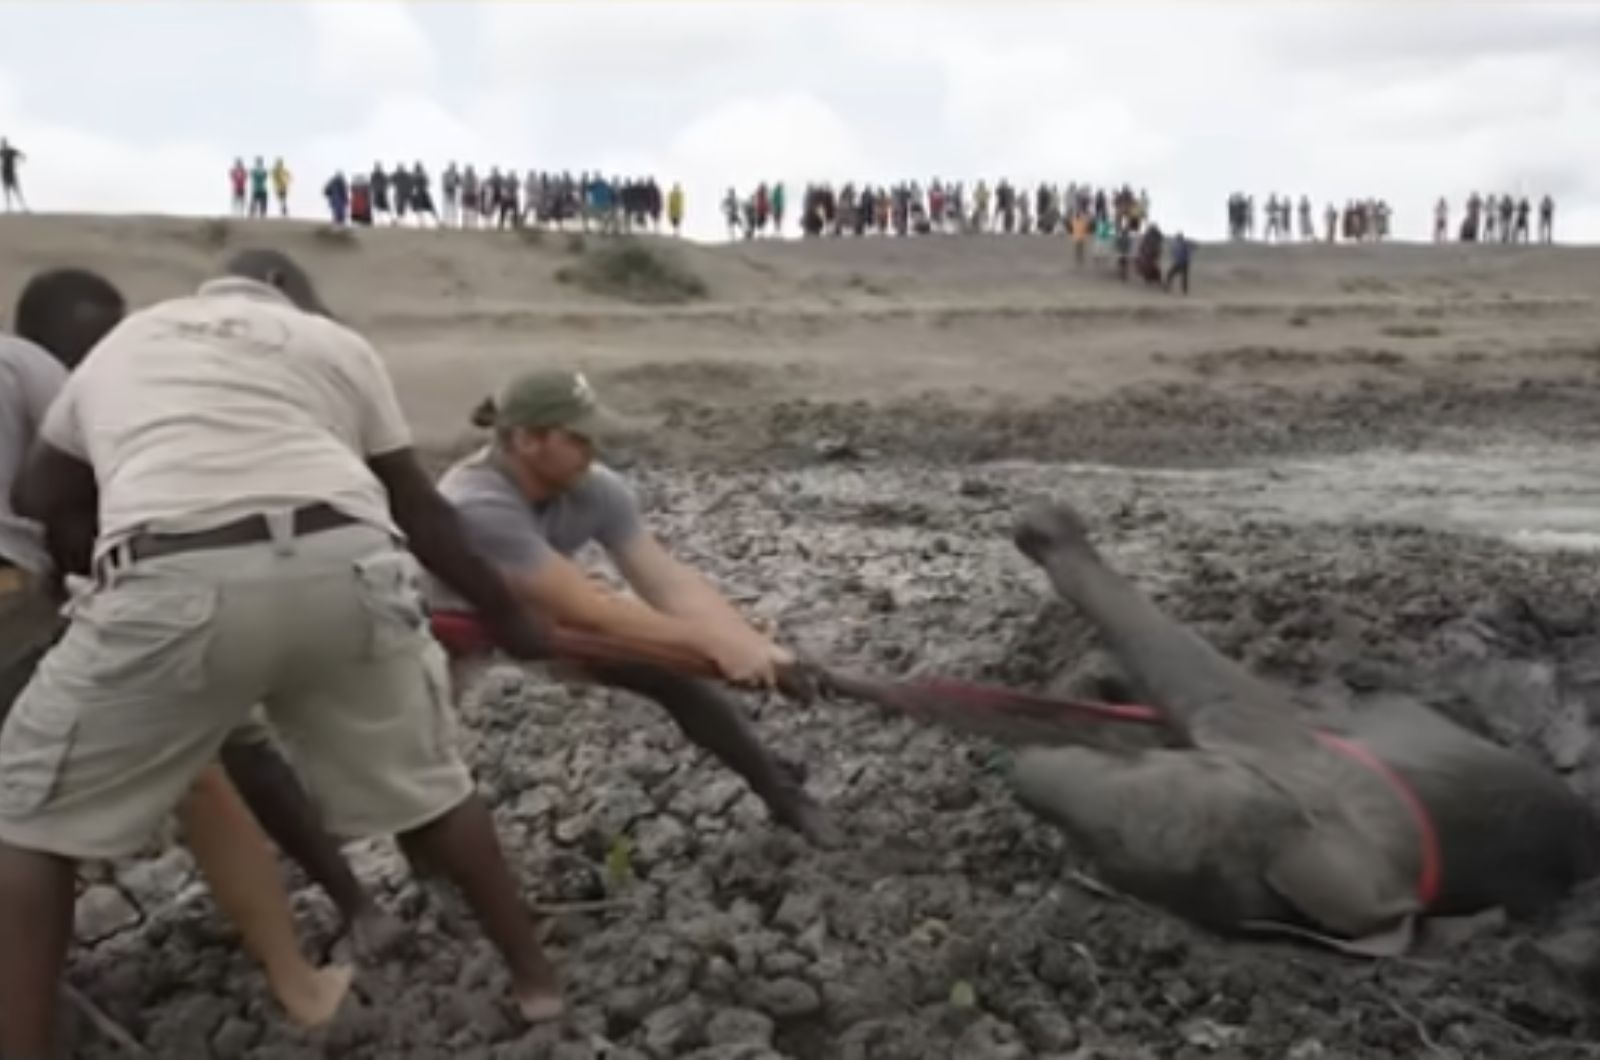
point(336, 235)
point(619, 864)
point(214, 232)
point(634, 272)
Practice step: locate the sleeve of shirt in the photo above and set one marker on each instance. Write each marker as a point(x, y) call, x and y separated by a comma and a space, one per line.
point(42, 384)
point(383, 426)
point(63, 425)
point(617, 520)
point(503, 531)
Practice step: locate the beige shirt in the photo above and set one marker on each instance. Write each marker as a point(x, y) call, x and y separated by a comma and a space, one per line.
point(201, 410)
point(30, 379)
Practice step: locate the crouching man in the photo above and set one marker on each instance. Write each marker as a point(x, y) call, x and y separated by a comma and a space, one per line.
point(535, 496)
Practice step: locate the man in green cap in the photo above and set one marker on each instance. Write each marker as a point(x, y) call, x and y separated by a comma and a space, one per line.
point(536, 495)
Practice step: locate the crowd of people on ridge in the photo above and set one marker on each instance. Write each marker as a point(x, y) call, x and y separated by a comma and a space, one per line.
point(906, 208)
point(1491, 218)
point(1107, 224)
point(502, 199)
point(1360, 220)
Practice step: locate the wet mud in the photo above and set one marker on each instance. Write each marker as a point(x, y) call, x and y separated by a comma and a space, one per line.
point(954, 925)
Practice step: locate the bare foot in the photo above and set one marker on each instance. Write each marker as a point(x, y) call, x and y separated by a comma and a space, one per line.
point(816, 825)
point(539, 998)
point(541, 1005)
point(376, 934)
point(316, 1000)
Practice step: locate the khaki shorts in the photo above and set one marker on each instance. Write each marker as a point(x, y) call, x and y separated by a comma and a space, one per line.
point(326, 632)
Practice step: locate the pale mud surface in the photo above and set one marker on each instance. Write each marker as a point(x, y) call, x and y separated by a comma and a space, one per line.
point(850, 431)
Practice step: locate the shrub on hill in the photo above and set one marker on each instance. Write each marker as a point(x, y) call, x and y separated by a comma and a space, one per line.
point(635, 272)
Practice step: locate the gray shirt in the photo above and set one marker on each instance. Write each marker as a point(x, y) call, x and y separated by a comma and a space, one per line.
point(516, 534)
point(30, 379)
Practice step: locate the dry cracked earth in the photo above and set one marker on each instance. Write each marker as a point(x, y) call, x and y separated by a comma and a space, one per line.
point(953, 925)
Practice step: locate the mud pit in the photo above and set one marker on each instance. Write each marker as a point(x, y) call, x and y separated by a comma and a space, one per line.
point(955, 927)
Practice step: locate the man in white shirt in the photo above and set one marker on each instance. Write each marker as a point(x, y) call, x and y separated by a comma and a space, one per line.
point(241, 465)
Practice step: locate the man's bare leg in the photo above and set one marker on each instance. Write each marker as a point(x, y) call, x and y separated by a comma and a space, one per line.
point(274, 795)
point(36, 902)
point(240, 869)
point(462, 845)
point(710, 718)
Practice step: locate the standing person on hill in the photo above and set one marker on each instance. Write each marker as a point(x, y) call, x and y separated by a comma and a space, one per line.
point(380, 191)
point(422, 196)
point(1182, 254)
point(361, 201)
point(337, 192)
point(280, 186)
point(450, 184)
point(471, 190)
point(239, 182)
point(258, 188)
point(10, 185)
point(404, 192)
point(1080, 236)
point(675, 208)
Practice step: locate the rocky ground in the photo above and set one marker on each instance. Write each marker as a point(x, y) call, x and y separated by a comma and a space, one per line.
point(954, 925)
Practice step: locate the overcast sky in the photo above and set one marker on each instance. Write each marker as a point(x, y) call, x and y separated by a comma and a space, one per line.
point(142, 106)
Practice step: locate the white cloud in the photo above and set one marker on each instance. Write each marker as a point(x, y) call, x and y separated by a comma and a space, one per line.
point(404, 128)
point(367, 50)
point(749, 140)
point(590, 47)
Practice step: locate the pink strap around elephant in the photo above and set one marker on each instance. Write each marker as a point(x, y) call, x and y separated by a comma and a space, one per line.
point(1430, 876)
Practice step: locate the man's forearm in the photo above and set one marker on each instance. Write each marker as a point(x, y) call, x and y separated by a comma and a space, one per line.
point(621, 616)
point(70, 540)
point(60, 492)
point(694, 599)
point(435, 537)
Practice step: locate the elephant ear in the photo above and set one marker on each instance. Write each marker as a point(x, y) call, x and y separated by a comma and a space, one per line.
point(1343, 884)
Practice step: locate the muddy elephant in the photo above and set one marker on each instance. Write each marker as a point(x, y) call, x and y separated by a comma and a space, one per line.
point(1235, 811)
point(1253, 818)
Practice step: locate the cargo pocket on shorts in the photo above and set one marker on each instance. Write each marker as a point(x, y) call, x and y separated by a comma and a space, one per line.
point(141, 637)
point(436, 673)
point(390, 584)
point(33, 746)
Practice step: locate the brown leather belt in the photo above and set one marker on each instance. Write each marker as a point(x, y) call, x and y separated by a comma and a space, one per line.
point(252, 529)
